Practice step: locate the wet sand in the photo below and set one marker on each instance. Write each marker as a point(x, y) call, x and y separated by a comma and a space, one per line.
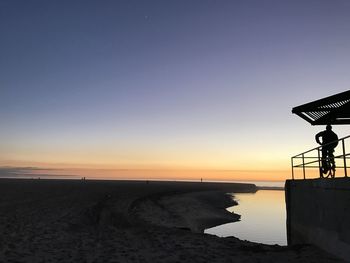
point(127, 221)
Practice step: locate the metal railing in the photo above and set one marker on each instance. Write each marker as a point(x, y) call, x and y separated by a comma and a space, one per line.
point(312, 159)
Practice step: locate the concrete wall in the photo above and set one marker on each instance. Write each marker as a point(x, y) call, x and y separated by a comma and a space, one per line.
point(318, 212)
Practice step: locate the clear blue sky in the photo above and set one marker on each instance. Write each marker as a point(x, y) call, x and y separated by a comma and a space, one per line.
point(191, 84)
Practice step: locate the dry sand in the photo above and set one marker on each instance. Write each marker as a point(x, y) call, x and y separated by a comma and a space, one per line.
point(125, 221)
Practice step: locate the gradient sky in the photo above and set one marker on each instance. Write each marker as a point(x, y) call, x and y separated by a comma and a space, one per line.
point(167, 85)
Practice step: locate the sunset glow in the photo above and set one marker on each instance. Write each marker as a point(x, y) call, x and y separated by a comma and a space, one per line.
point(170, 90)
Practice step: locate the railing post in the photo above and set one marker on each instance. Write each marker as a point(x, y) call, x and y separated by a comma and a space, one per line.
point(319, 163)
point(303, 165)
point(344, 158)
point(292, 168)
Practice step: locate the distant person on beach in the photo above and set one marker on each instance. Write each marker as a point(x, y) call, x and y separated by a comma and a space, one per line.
point(329, 142)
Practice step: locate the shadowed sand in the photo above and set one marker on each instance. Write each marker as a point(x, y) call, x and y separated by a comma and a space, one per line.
point(127, 221)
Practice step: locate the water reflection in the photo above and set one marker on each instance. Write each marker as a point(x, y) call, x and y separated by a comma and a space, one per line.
point(263, 218)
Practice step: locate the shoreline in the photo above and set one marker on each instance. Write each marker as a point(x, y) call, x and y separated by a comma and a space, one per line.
point(204, 209)
point(123, 221)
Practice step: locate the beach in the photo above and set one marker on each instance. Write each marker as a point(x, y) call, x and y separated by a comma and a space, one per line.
point(128, 221)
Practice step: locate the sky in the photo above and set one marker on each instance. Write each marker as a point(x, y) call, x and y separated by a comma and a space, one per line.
point(166, 89)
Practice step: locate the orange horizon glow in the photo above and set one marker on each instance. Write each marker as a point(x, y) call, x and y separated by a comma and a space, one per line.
point(153, 173)
point(220, 165)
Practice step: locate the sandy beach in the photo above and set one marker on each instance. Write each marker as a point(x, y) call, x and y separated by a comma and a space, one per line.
point(127, 221)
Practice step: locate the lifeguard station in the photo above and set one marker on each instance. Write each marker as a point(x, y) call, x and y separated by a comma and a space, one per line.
point(318, 209)
point(334, 110)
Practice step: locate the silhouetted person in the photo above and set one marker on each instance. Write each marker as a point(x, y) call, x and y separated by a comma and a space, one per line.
point(329, 142)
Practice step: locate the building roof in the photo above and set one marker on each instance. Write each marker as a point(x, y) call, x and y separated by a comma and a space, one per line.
point(330, 110)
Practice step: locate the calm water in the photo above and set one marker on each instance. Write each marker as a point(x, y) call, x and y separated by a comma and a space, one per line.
point(263, 218)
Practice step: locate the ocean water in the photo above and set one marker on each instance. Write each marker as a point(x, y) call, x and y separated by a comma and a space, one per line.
point(263, 218)
point(264, 183)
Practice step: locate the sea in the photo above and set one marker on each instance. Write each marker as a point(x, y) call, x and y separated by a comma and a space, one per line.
point(263, 216)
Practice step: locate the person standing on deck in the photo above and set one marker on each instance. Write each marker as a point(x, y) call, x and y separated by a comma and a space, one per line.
point(329, 142)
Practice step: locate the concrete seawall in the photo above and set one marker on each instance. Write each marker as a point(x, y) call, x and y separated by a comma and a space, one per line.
point(318, 212)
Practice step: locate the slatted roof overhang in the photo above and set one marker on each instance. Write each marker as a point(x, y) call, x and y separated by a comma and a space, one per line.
point(330, 110)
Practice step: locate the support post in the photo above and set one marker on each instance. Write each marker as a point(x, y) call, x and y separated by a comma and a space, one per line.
point(319, 163)
point(344, 158)
point(303, 165)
